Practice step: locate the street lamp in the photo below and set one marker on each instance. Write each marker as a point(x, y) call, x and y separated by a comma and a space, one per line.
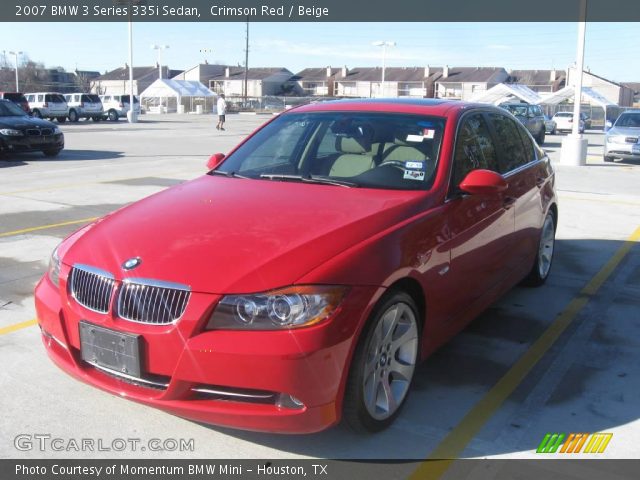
point(15, 54)
point(159, 48)
point(384, 46)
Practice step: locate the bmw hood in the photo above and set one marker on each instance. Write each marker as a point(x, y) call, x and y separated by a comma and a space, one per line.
point(232, 235)
point(626, 131)
point(23, 121)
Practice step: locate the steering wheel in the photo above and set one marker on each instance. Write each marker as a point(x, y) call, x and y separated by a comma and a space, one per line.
point(394, 163)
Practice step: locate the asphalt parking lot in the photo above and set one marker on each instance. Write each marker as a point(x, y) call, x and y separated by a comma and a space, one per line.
point(561, 358)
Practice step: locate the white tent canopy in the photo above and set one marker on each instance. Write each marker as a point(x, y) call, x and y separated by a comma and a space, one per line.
point(504, 91)
point(165, 88)
point(569, 92)
point(166, 95)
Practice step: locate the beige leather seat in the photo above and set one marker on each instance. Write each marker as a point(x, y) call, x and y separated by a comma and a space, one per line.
point(356, 157)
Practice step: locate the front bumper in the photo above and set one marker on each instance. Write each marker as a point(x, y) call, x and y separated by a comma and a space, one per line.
point(309, 363)
point(31, 143)
point(628, 151)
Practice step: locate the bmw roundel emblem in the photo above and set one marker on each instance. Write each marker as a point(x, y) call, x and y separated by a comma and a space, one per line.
point(131, 263)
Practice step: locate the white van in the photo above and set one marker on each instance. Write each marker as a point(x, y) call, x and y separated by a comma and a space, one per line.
point(48, 105)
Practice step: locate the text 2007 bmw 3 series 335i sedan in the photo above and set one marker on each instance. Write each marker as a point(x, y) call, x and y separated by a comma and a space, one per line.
point(301, 280)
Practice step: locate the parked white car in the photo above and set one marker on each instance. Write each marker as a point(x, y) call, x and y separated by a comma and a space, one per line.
point(48, 105)
point(116, 106)
point(623, 139)
point(564, 122)
point(84, 105)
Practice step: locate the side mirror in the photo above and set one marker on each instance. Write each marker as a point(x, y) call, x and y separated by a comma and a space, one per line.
point(215, 160)
point(483, 182)
point(607, 125)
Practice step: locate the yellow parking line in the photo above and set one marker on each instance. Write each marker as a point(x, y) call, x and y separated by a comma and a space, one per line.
point(18, 326)
point(441, 458)
point(44, 227)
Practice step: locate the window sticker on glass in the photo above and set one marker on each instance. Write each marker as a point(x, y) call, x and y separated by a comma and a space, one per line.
point(418, 165)
point(414, 138)
point(413, 175)
point(428, 133)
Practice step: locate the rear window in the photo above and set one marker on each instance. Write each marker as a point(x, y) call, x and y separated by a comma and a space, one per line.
point(90, 98)
point(54, 97)
point(125, 99)
point(14, 97)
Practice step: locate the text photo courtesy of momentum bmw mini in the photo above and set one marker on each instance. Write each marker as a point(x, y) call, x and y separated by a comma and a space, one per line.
point(300, 282)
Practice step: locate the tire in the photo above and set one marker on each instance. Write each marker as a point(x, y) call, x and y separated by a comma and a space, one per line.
point(540, 137)
point(554, 131)
point(73, 116)
point(53, 152)
point(37, 114)
point(608, 158)
point(113, 115)
point(383, 364)
point(61, 119)
point(544, 256)
point(96, 119)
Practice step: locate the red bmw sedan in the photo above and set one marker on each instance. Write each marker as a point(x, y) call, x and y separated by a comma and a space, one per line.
point(302, 279)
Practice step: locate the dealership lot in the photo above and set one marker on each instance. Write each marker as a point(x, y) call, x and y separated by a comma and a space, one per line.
point(466, 399)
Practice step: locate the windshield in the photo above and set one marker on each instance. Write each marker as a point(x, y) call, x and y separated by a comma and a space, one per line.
point(375, 150)
point(517, 110)
point(9, 109)
point(628, 120)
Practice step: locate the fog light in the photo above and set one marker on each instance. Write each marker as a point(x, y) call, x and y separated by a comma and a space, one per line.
point(288, 401)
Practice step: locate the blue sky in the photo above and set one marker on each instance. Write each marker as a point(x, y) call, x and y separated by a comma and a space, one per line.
point(611, 48)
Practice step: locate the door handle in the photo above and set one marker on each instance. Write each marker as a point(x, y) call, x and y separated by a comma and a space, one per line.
point(508, 202)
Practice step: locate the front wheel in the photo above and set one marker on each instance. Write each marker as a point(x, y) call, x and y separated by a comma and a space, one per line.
point(113, 115)
point(608, 158)
point(544, 256)
point(73, 116)
point(61, 119)
point(383, 365)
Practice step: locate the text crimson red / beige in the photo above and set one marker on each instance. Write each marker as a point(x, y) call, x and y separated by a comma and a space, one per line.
point(269, 11)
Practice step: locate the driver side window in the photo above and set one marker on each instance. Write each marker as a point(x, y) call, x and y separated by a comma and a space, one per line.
point(474, 149)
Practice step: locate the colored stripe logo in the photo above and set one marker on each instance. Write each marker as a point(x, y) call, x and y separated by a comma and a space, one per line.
point(574, 443)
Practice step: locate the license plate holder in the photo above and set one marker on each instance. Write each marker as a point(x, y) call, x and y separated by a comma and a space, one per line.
point(109, 349)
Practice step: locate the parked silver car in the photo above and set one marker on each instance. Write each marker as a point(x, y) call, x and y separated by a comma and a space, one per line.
point(84, 105)
point(530, 116)
point(623, 139)
point(549, 125)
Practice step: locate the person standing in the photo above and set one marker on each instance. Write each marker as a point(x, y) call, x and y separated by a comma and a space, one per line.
point(222, 110)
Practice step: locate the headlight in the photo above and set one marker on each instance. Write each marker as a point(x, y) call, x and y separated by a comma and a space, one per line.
point(290, 307)
point(56, 130)
point(10, 132)
point(54, 267)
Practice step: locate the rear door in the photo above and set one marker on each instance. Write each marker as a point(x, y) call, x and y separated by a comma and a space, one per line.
point(481, 226)
point(525, 176)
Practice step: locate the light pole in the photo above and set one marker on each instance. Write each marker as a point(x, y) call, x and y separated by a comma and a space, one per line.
point(15, 55)
point(159, 48)
point(574, 146)
point(384, 45)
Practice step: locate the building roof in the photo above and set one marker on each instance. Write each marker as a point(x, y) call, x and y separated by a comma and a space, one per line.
point(536, 77)
point(474, 74)
point(314, 74)
point(635, 86)
point(139, 73)
point(237, 73)
point(391, 74)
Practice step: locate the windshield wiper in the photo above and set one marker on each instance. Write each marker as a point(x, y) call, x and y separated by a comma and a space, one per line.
point(309, 179)
point(226, 174)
